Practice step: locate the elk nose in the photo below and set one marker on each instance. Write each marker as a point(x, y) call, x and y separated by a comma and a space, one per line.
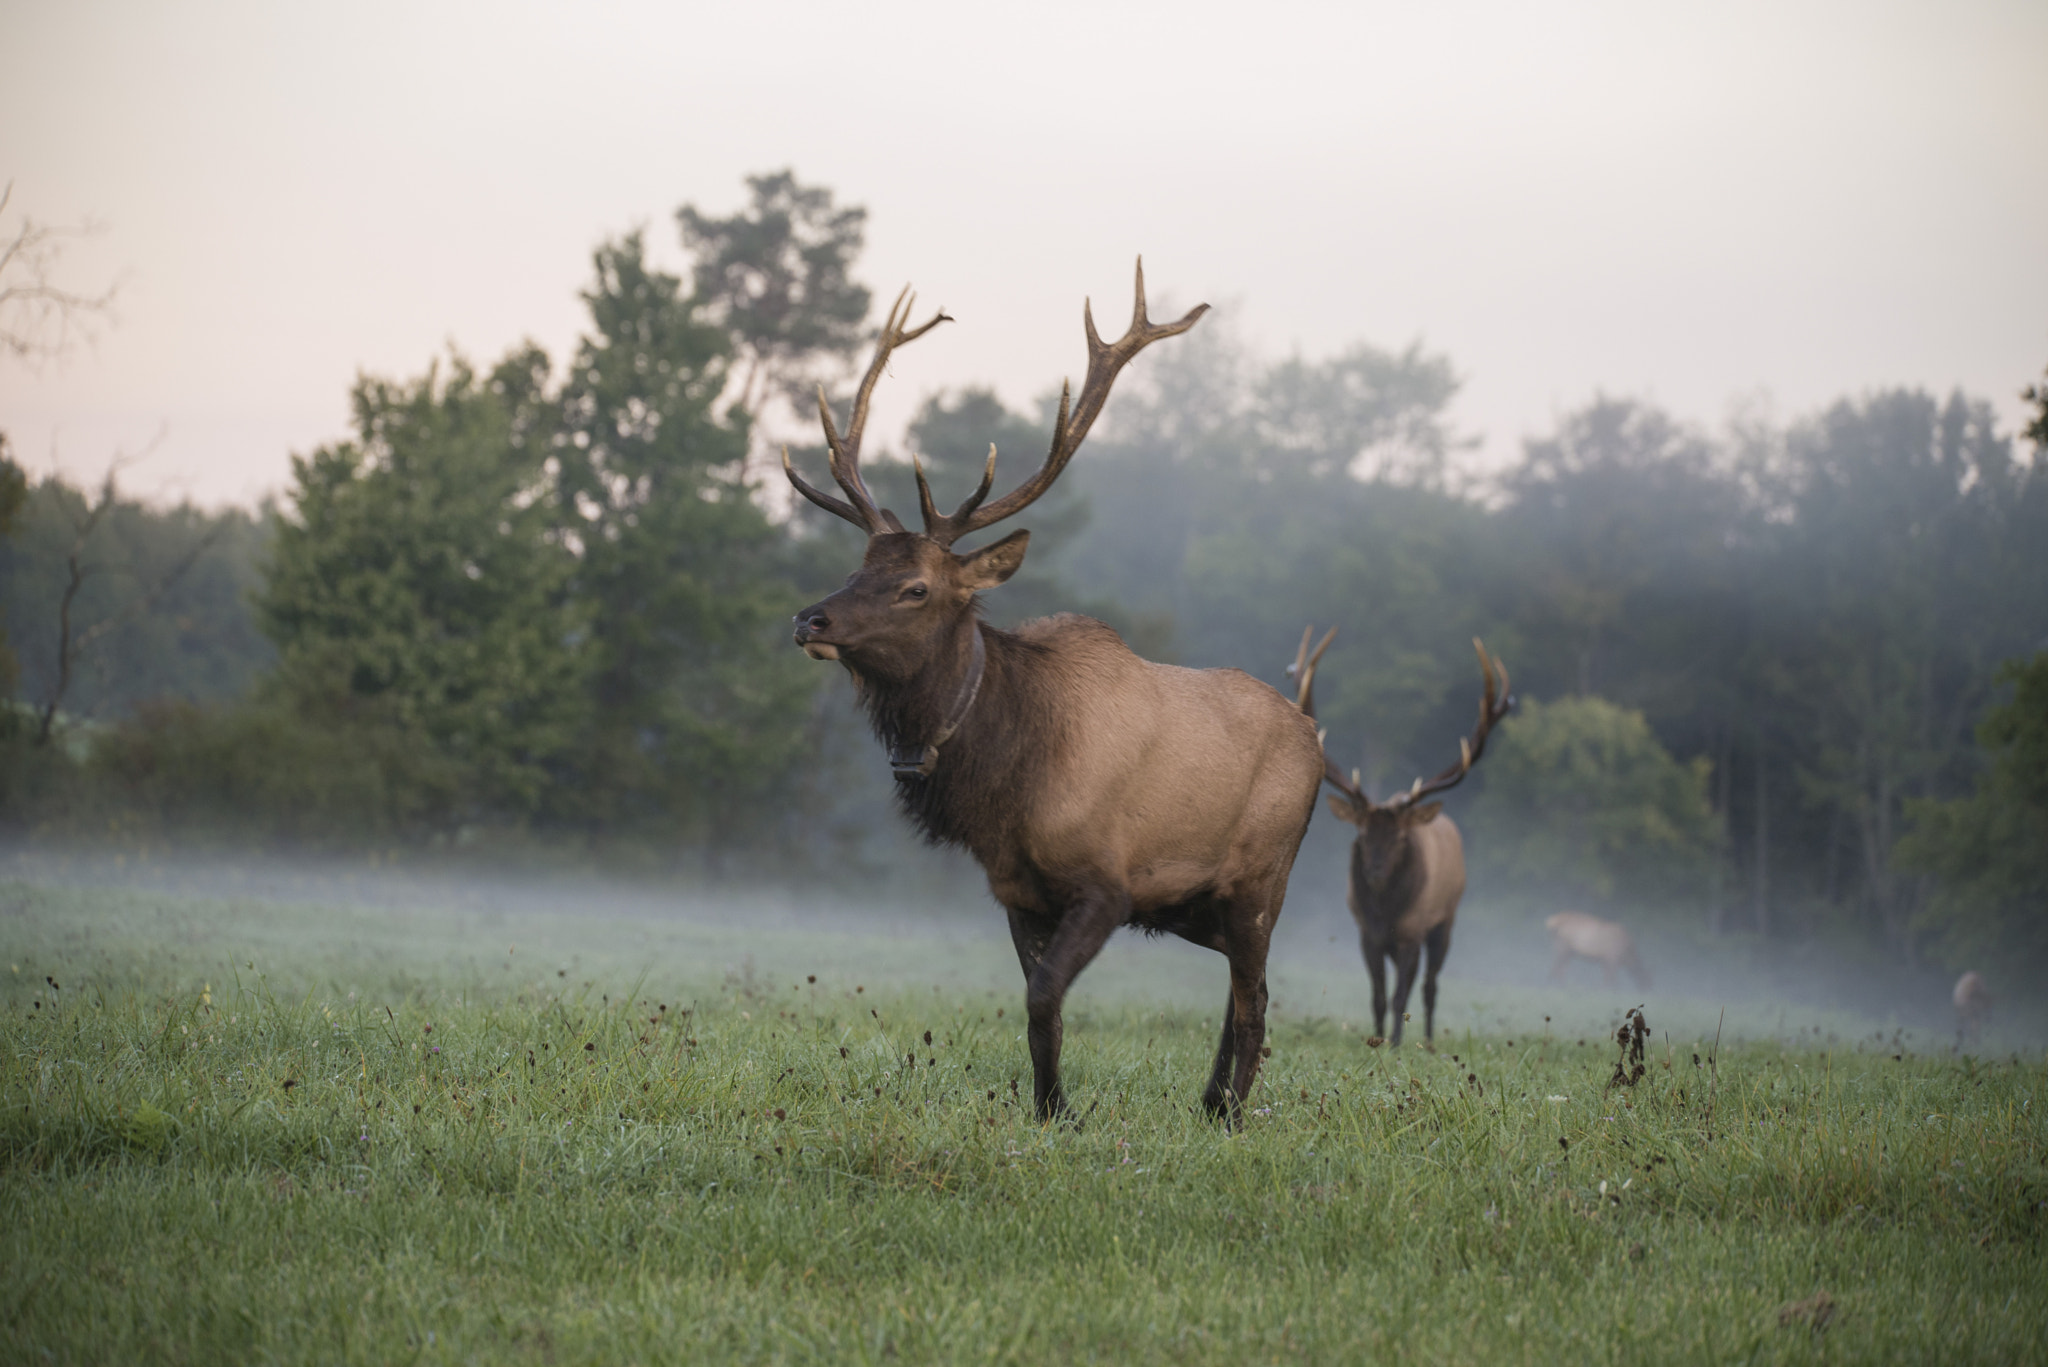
point(811, 622)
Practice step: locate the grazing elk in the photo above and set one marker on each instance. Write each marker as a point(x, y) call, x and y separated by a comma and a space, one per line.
point(1973, 1006)
point(1579, 936)
point(1407, 863)
point(1096, 789)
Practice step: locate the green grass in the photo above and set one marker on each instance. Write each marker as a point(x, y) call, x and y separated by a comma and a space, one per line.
point(241, 1131)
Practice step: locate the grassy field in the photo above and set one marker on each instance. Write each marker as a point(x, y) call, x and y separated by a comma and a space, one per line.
point(250, 1131)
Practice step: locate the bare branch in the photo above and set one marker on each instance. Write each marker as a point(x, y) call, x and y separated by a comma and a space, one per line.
point(32, 304)
point(77, 571)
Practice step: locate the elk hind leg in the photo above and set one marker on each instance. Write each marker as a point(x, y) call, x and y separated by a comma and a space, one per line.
point(1248, 1019)
point(1438, 945)
point(1215, 1097)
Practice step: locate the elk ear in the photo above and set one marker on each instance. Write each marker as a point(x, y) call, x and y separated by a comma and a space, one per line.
point(991, 565)
point(1423, 815)
point(1344, 809)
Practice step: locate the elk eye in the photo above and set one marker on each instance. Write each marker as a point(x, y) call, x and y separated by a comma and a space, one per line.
point(916, 593)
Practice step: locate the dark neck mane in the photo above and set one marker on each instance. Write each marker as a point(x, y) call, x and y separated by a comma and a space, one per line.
point(989, 767)
point(1383, 907)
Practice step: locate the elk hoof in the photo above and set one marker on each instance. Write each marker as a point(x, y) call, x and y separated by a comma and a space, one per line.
point(1054, 1110)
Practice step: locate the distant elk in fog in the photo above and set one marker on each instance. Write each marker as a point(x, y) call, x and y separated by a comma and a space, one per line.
point(1096, 789)
point(1407, 862)
point(1973, 1005)
point(1579, 936)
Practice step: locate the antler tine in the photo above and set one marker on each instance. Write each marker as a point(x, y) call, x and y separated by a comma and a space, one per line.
point(1303, 670)
point(1494, 703)
point(839, 507)
point(861, 509)
point(1105, 361)
point(1294, 671)
point(1347, 784)
point(947, 529)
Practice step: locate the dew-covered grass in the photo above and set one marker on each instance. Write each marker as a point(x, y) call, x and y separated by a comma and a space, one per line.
point(264, 1133)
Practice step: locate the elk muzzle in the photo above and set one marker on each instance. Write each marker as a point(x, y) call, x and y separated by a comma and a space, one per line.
point(812, 623)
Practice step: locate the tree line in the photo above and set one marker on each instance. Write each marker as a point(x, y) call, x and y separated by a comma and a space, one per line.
point(1782, 678)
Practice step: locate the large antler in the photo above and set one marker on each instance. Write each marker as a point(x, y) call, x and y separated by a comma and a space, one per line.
point(862, 510)
point(1303, 672)
point(1071, 428)
point(1493, 705)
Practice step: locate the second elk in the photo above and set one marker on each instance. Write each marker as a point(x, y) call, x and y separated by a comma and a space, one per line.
point(1407, 862)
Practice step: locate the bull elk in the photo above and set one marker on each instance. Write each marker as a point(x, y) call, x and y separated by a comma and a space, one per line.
point(1096, 789)
point(1407, 862)
point(1579, 936)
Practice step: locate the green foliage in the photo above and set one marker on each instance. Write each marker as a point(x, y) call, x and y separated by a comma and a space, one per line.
point(453, 1154)
point(13, 494)
point(162, 610)
point(2036, 430)
point(1610, 519)
point(1582, 801)
point(419, 585)
point(267, 771)
point(778, 279)
point(1910, 567)
point(1375, 415)
point(685, 581)
point(1988, 852)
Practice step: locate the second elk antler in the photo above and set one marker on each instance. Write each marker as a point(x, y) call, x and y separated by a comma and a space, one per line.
point(1494, 703)
point(1408, 861)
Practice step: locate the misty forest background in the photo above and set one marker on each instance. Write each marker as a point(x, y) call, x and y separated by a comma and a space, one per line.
point(1787, 680)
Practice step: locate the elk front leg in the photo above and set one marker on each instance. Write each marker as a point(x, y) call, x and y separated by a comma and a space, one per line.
point(1081, 935)
point(1376, 972)
point(1406, 959)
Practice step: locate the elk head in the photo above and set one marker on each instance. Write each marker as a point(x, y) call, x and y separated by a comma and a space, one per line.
point(1383, 826)
point(910, 602)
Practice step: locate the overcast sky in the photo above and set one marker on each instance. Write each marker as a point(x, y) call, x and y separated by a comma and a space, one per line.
point(1699, 205)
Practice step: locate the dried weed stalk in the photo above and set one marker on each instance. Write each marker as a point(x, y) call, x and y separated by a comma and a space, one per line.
point(1634, 1032)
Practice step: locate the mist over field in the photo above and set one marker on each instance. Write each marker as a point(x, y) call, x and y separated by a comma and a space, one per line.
point(441, 923)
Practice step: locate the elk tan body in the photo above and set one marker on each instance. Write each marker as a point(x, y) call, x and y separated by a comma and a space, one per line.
point(1180, 785)
point(1579, 936)
point(1407, 871)
point(1096, 789)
